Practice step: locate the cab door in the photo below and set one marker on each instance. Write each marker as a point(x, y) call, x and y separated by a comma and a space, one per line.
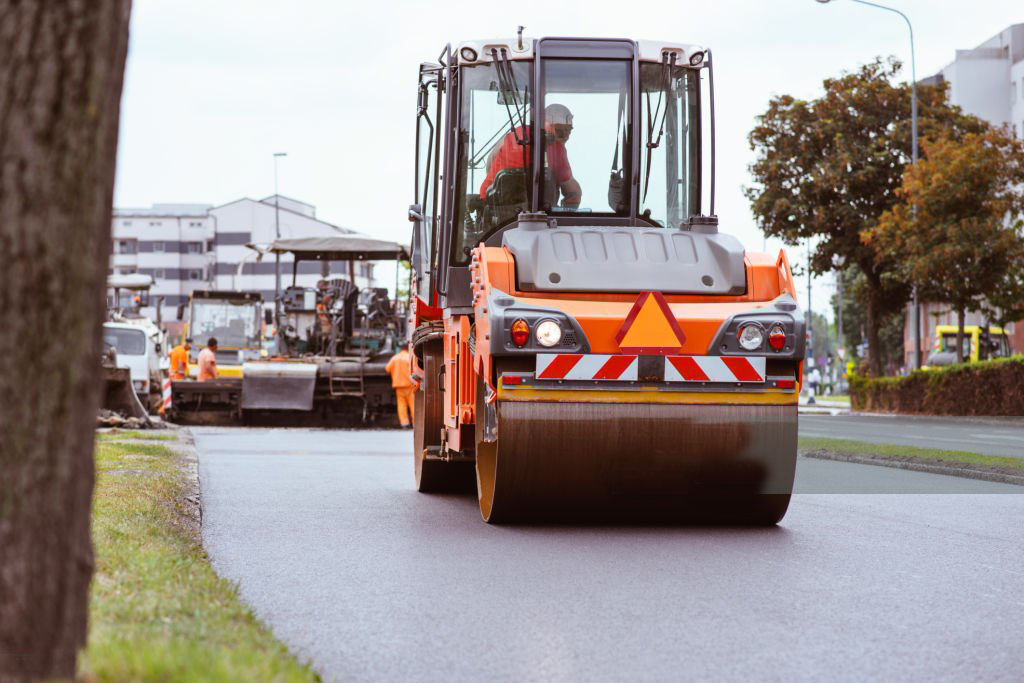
point(423, 211)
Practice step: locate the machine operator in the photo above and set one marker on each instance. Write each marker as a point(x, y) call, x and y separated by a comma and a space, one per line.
point(557, 129)
point(208, 361)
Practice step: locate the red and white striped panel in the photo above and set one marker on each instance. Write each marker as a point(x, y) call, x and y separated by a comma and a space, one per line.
point(586, 366)
point(714, 369)
point(166, 395)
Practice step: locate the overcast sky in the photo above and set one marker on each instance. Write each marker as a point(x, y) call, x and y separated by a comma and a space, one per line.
point(214, 88)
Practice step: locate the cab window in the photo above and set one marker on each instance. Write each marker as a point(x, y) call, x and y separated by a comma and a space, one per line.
point(494, 152)
point(125, 342)
point(585, 122)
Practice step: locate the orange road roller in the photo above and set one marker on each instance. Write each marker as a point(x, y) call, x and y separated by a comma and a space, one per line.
point(589, 345)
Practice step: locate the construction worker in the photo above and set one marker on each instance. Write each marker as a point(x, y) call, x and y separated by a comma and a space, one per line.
point(208, 361)
point(179, 359)
point(557, 129)
point(404, 386)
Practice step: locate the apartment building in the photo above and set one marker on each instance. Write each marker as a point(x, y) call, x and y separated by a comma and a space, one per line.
point(185, 247)
point(247, 221)
point(988, 82)
point(173, 243)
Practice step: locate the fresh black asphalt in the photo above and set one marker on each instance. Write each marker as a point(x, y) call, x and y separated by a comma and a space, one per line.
point(371, 581)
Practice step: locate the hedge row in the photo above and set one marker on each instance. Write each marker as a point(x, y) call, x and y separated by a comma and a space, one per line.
point(994, 387)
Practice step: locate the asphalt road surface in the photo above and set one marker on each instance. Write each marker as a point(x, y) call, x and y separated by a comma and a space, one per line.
point(369, 580)
point(993, 436)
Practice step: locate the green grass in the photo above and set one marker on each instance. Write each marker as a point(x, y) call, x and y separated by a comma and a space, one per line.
point(158, 612)
point(808, 443)
point(132, 434)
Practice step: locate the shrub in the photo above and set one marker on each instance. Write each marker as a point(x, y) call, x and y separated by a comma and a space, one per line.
point(994, 387)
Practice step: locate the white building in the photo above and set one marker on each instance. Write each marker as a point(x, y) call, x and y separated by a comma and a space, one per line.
point(174, 243)
point(185, 247)
point(988, 82)
point(247, 221)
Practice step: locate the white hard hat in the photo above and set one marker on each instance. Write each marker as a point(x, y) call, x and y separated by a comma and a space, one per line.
point(558, 114)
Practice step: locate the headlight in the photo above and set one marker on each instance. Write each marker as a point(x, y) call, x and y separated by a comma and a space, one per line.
point(548, 333)
point(751, 336)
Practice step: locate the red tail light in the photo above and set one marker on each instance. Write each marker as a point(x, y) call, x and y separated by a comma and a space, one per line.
point(777, 337)
point(520, 333)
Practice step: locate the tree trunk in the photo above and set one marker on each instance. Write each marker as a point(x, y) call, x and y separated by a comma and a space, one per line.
point(61, 72)
point(962, 354)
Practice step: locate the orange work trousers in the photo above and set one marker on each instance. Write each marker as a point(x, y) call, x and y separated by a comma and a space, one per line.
point(404, 396)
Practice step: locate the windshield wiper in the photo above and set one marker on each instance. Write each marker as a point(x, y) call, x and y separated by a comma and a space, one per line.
point(507, 83)
point(667, 66)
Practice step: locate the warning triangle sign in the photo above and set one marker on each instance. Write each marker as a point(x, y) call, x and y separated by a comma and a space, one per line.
point(650, 327)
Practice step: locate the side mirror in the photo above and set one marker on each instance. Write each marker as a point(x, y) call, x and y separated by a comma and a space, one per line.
point(181, 311)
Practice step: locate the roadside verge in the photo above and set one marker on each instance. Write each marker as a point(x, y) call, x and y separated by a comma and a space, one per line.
point(158, 612)
point(954, 463)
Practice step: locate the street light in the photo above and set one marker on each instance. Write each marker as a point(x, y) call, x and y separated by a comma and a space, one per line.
point(913, 154)
point(277, 236)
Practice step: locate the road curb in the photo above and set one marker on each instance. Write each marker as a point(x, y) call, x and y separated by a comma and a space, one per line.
point(947, 467)
point(823, 410)
point(190, 504)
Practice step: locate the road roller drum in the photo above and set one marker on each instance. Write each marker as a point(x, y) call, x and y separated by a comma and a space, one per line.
point(655, 462)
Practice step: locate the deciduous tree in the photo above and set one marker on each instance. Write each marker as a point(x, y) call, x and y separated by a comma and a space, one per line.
point(827, 168)
point(963, 245)
point(61, 72)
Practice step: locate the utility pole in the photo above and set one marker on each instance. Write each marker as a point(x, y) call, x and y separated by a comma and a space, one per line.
point(810, 316)
point(277, 236)
point(839, 331)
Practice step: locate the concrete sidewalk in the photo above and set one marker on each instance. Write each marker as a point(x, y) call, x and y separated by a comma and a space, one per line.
point(824, 405)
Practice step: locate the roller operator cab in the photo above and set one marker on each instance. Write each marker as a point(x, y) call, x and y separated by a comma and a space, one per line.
point(588, 343)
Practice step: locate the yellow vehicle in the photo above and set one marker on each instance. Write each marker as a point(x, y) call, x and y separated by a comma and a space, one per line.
point(235, 319)
point(978, 345)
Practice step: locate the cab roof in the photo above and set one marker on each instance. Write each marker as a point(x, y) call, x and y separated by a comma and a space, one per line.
point(650, 50)
point(968, 329)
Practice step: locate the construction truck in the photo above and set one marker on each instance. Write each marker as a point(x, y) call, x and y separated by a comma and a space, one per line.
point(588, 343)
point(333, 341)
point(135, 353)
point(981, 342)
point(236, 320)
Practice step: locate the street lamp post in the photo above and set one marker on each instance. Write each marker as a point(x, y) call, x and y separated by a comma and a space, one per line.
point(916, 305)
point(277, 256)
